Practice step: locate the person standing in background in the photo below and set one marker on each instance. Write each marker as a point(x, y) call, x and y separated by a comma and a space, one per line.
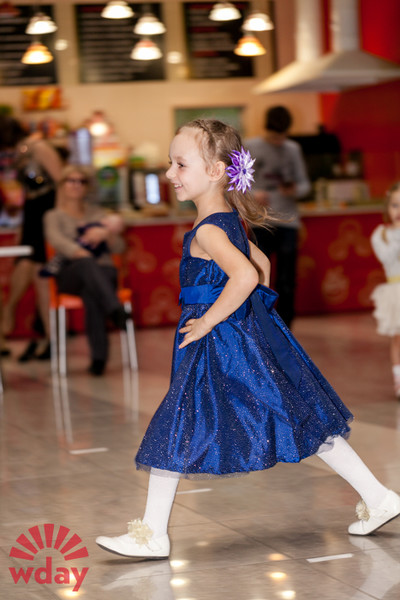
point(38, 165)
point(280, 180)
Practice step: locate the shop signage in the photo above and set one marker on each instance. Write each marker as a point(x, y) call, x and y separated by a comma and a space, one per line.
point(210, 43)
point(13, 44)
point(105, 46)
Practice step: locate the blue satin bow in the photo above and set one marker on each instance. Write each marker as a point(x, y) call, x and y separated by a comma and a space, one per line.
point(262, 302)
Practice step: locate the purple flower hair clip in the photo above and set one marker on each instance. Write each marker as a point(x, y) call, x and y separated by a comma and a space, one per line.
point(240, 172)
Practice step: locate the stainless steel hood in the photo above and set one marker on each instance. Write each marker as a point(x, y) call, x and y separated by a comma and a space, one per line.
point(331, 72)
point(344, 68)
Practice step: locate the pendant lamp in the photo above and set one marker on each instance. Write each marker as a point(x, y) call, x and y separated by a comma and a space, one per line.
point(148, 24)
point(146, 49)
point(40, 24)
point(258, 21)
point(37, 54)
point(117, 9)
point(249, 45)
point(224, 11)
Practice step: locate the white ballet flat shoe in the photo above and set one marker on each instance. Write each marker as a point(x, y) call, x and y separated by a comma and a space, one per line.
point(137, 543)
point(371, 519)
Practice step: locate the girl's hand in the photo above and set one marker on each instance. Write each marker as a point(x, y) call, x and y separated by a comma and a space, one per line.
point(194, 329)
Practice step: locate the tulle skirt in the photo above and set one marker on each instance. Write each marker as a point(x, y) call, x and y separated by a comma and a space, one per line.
point(386, 299)
point(242, 398)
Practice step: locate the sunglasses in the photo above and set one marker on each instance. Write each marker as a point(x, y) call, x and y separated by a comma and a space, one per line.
point(76, 181)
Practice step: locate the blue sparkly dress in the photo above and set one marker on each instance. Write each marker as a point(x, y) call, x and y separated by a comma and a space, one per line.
point(246, 395)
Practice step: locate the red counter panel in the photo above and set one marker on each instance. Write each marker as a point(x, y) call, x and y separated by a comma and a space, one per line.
point(337, 270)
point(152, 258)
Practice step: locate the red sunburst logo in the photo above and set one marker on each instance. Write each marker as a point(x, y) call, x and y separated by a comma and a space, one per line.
point(49, 538)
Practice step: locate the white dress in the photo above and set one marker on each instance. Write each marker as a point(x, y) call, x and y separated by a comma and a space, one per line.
point(386, 296)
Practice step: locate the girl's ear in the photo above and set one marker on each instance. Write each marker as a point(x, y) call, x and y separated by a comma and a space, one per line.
point(217, 171)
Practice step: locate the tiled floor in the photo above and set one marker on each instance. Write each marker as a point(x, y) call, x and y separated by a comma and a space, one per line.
point(67, 460)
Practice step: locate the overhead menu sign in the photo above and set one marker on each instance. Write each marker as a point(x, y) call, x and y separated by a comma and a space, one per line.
point(211, 43)
point(105, 46)
point(13, 44)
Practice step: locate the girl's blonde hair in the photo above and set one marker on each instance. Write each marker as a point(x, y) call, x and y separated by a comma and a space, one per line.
point(393, 188)
point(217, 141)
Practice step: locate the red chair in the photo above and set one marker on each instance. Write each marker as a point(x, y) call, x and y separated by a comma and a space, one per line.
point(60, 303)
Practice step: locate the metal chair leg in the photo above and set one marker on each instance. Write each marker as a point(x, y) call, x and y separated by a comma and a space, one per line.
point(62, 344)
point(131, 339)
point(53, 340)
point(124, 349)
point(59, 341)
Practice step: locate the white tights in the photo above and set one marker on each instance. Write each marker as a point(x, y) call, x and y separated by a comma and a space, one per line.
point(345, 461)
point(160, 498)
point(340, 457)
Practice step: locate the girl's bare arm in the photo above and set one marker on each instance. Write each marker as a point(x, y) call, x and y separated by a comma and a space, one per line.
point(261, 263)
point(243, 276)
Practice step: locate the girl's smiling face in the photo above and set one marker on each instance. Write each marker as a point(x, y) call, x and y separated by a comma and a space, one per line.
point(393, 208)
point(188, 170)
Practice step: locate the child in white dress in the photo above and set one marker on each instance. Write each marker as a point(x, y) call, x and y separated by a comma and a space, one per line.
point(386, 297)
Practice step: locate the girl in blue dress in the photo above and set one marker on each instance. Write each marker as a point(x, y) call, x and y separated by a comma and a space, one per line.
point(243, 393)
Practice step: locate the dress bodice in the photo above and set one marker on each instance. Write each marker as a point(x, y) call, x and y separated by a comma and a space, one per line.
point(198, 271)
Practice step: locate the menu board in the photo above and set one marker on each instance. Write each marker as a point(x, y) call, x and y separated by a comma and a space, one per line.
point(13, 44)
point(211, 43)
point(105, 46)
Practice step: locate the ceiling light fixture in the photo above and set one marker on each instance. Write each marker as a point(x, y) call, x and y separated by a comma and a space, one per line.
point(98, 125)
point(224, 11)
point(249, 45)
point(61, 44)
point(148, 24)
point(40, 24)
point(258, 21)
point(117, 9)
point(37, 54)
point(146, 50)
point(174, 57)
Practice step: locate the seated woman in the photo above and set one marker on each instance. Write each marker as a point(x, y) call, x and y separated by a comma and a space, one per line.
point(84, 236)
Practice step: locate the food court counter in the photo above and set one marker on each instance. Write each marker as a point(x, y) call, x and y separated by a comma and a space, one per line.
point(336, 267)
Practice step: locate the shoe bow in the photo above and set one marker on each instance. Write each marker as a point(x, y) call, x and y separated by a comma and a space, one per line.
point(362, 511)
point(140, 532)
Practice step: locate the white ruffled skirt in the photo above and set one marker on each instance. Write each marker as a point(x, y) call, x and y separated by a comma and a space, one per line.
point(386, 299)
